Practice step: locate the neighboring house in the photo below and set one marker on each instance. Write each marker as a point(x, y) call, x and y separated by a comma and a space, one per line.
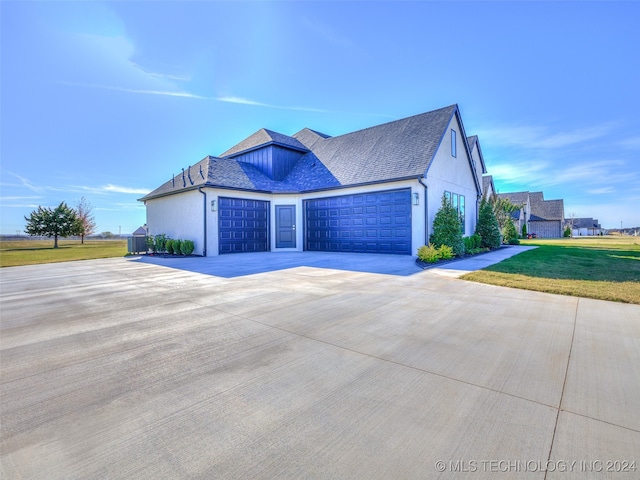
point(488, 188)
point(523, 214)
point(547, 216)
point(477, 159)
point(375, 190)
point(584, 226)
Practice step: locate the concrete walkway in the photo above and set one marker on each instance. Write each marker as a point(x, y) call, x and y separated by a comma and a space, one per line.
point(118, 368)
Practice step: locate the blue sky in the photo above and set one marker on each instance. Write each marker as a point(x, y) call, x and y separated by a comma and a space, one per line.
point(108, 100)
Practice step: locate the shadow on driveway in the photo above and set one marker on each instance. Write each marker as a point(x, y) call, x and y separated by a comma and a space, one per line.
point(241, 264)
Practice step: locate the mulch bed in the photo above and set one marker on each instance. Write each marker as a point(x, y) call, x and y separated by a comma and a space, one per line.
point(440, 263)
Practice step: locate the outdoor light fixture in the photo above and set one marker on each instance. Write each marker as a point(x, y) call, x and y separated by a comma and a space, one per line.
point(416, 199)
point(213, 205)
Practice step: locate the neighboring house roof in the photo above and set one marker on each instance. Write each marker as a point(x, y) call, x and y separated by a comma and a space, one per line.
point(542, 209)
point(395, 150)
point(473, 141)
point(517, 198)
point(487, 184)
point(583, 222)
point(141, 231)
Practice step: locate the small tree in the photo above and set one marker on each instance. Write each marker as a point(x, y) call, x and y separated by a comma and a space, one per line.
point(61, 221)
point(487, 226)
point(446, 228)
point(567, 231)
point(510, 234)
point(87, 221)
point(503, 209)
point(524, 230)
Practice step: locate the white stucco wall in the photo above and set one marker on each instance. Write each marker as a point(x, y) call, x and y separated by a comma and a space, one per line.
point(178, 216)
point(452, 174)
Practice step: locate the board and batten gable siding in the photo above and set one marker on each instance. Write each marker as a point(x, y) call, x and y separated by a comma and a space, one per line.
point(274, 161)
point(452, 174)
point(178, 216)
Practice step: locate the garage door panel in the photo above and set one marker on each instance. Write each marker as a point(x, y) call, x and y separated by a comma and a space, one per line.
point(385, 216)
point(243, 225)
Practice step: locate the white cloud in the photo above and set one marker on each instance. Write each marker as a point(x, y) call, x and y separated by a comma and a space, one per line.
point(540, 137)
point(118, 189)
point(601, 191)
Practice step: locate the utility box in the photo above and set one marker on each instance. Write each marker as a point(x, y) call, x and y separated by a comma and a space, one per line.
point(138, 242)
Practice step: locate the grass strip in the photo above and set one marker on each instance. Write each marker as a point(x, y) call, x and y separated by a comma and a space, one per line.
point(32, 252)
point(593, 268)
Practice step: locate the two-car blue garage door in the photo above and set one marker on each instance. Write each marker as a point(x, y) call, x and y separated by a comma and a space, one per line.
point(373, 222)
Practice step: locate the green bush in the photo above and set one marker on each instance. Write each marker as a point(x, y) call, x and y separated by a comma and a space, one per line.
point(524, 230)
point(510, 234)
point(187, 247)
point(161, 243)
point(487, 226)
point(567, 232)
point(169, 246)
point(150, 243)
point(428, 253)
point(472, 243)
point(177, 246)
point(447, 228)
point(445, 252)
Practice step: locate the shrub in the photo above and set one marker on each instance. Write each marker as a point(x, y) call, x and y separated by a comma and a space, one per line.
point(177, 246)
point(169, 246)
point(472, 243)
point(161, 242)
point(150, 243)
point(187, 247)
point(524, 230)
point(510, 234)
point(428, 253)
point(567, 232)
point(487, 226)
point(445, 252)
point(447, 229)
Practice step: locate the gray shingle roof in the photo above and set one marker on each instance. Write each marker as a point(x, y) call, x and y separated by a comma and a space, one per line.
point(545, 209)
point(517, 198)
point(264, 137)
point(583, 222)
point(395, 150)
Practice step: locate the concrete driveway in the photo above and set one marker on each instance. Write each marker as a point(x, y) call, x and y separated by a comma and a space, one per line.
point(123, 369)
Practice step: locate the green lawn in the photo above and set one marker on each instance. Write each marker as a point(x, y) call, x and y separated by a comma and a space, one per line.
point(607, 268)
point(30, 252)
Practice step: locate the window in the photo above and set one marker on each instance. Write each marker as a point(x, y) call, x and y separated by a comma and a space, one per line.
point(453, 143)
point(457, 202)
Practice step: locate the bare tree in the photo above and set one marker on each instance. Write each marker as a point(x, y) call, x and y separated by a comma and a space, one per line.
point(87, 220)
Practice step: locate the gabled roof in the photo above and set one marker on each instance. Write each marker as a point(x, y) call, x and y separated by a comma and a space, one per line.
point(487, 182)
point(517, 198)
point(396, 150)
point(262, 138)
point(542, 209)
point(474, 142)
point(583, 222)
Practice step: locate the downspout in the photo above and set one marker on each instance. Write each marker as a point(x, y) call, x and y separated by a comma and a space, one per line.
point(204, 212)
point(426, 211)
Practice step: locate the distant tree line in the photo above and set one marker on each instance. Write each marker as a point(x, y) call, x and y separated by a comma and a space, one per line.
point(62, 221)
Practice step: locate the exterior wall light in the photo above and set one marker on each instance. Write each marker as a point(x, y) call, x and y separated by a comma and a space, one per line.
point(415, 200)
point(213, 205)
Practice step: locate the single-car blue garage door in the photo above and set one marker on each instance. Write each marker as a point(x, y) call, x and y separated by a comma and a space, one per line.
point(243, 225)
point(373, 222)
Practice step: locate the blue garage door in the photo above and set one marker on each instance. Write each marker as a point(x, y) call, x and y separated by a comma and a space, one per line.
point(374, 222)
point(243, 225)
